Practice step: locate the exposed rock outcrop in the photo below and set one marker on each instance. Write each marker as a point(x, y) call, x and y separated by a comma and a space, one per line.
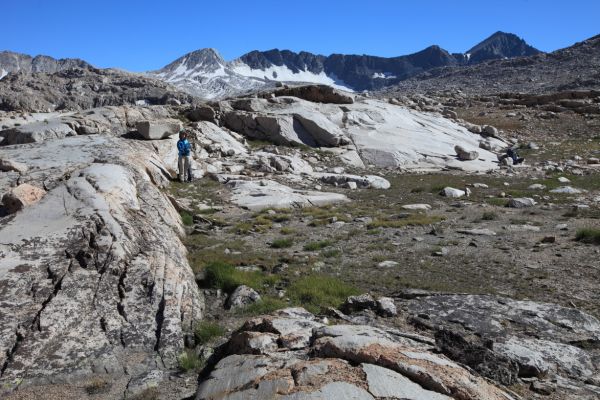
point(94, 278)
point(290, 355)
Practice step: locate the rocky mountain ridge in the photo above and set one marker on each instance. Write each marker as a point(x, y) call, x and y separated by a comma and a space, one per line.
point(15, 62)
point(573, 68)
point(206, 74)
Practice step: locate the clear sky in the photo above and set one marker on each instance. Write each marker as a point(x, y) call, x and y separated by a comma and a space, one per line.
point(146, 35)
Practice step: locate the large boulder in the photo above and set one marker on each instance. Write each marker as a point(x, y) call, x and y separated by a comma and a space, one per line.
point(317, 94)
point(22, 196)
point(37, 132)
point(269, 194)
point(465, 155)
point(156, 130)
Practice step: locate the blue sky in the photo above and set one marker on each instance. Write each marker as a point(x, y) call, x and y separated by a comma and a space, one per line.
point(145, 35)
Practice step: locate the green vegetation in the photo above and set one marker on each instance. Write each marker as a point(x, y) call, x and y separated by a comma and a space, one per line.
point(314, 246)
point(320, 291)
point(206, 331)
point(588, 235)
point(282, 243)
point(223, 276)
point(489, 216)
point(330, 253)
point(190, 361)
point(411, 220)
point(186, 218)
point(265, 306)
point(287, 231)
point(497, 201)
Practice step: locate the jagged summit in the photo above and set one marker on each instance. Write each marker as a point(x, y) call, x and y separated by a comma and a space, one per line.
point(501, 45)
point(204, 72)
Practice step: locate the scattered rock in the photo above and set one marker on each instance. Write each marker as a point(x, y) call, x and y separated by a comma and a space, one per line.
point(452, 193)
point(22, 196)
point(521, 202)
point(359, 303)
point(465, 155)
point(562, 179)
point(7, 165)
point(417, 207)
point(566, 190)
point(386, 307)
point(477, 232)
point(536, 186)
point(242, 296)
point(388, 264)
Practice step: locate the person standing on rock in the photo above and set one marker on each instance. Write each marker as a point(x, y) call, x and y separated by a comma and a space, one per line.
point(184, 160)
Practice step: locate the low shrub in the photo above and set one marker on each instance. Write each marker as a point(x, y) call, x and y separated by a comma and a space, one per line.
point(588, 235)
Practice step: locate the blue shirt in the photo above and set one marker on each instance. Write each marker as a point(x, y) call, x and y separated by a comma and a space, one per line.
point(184, 147)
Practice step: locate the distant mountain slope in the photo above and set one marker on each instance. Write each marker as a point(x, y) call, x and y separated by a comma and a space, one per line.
point(83, 88)
point(574, 67)
point(500, 45)
point(14, 62)
point(206, 74)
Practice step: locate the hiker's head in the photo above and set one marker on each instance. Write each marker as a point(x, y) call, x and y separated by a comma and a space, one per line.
point(183, 134)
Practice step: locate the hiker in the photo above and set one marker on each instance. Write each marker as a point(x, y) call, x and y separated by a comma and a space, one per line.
point(184, 161)
point(512, 153)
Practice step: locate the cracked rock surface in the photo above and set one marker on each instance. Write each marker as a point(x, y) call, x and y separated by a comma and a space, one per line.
point(94, 278)
point(314, 361)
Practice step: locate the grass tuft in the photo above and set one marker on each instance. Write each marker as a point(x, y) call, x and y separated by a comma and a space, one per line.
point(588, 235)
point(314, 246)
point(282, 243)
point(265, 306)
point(186, 218)
point(320, 291)
point(223, 276)
point(190, 361)
point(206, 331)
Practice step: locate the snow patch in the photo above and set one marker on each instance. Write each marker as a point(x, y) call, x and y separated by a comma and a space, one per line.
point(3, 73)
point(384, 75)
point(284, 74)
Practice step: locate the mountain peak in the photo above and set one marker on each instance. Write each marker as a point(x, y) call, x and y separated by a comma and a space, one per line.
point(501, 45)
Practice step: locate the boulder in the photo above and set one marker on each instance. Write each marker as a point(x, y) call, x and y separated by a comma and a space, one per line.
point(202, 112)
point(270, 194)
point(536, 186)
point(489, 130)
point(241, 297)
point(359, 303)
point(417, 207)
point(37, 131)
point(7, 165)
point(22, 196)
point(156, 130)
point(567, 190)
point(452, 192)
point(465, 155)
point(363, 182)
point(317, 94)
point(521, 202)
point(386, 307)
